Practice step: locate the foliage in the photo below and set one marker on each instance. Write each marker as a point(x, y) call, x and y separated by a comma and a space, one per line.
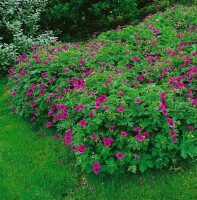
point(19, 29)
point(79, 19)
point(57, 178)
point(125, 101)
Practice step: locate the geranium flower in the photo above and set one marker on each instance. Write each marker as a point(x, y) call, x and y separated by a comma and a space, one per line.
point(172, 132)
point(120, 108)
point(107, 141)
point(111, 128)
point(120, 155)
point(140, 137)
point(138, 100)
point(135, 59)
point(94, 136)
point(44, 75)
point(81, 149)
point(191, 128)
point(91, 114)
point(123, 134)
point(83, 123)
point(48, 124)
point(138, 129)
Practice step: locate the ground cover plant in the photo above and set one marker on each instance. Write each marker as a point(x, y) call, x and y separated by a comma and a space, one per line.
point(125, 101)
point(42, 169)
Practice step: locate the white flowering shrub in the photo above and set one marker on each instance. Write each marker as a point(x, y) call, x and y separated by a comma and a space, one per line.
point(19, 29)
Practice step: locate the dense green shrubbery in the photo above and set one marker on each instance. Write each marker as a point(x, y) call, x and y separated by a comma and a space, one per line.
point(19, 29)
point(124, 101)
point(80, 19)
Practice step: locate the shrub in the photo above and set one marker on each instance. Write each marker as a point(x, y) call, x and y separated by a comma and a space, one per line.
point(19, 29)
point(125, 101)
point(79, 19)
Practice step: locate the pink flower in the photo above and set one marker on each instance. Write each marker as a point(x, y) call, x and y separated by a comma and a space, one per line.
point(96, 165)
point(137, 157)
point(107, 141)
point(44, 75)
point(120, 108)
point(106, 107)
point(83, 123)
point(48, 124)
point(170, 122)
point(146, 133)
point(120, 94)
point(120, 155)
point(119, 72)
point(96, 170)
point(79, 107)
point(174, 138)
point(138, 100)
point(82, 62)
point(123, 134)
point(73, 147)
point(135, 59)
point(172, 132)
point(32, 103)
point(81, 149)
point(57, 136)
point(138, 129)
point(191, 128)
point(91, 114)
point(111, 128)
point(163, 94)
point(140, 137)
point(94, 136)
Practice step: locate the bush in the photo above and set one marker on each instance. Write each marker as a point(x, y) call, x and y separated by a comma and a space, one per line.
point(19, 29)
point(125, 101)
point(80, 19)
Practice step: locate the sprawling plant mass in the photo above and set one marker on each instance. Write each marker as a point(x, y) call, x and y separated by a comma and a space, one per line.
point(124, 101)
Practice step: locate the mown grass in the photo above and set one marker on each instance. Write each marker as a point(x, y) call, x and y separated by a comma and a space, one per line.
point(35, 166)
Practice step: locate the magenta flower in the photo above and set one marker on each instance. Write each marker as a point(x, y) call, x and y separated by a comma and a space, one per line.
point(48, 124)
point(91, 114)
point(96, 170)
point(57, 136)
point(120, 94)
point(137, 157)
point(138, 100)
point(120, 108)
point(172, 132)
point(73, 147)
point(107, 141)
point(44, 75)
point(146, 133)
point(191, 128)
point(138, 129)
point(32, 103)
point(135, 59)
point(111, 128)
point(94, 136)
point(81, 149)
point(170, 122)
point(83, 123)
point(106, 107)
point(123, 134)
point(140, 137)
point(174, 138)
point(82, 62)
point(120, 155)
point(96, 165)
point(79, 107)
point(163, 94)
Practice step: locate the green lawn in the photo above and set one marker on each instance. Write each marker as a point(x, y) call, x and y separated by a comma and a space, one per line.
point(35, 166)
